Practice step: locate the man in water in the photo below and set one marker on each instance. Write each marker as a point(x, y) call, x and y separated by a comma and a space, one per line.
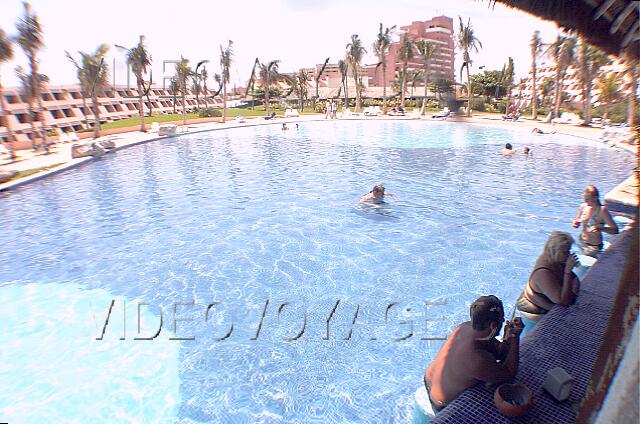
point(376, 195)
point(472, 354)
point(508, 150)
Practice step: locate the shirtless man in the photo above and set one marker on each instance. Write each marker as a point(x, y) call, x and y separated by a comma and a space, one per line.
point(472, 354)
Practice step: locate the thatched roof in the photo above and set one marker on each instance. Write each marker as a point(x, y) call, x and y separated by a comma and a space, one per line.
point(611, 25)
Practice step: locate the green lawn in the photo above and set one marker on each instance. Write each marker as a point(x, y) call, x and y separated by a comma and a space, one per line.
point(27, 172)
point(231, 113)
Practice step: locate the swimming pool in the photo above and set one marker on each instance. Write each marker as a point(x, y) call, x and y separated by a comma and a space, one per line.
point(260, 229)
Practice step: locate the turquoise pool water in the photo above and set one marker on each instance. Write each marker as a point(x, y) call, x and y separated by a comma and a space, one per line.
point(224, 228)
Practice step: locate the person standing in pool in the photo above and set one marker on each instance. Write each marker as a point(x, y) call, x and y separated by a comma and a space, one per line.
point(595, 219)
point(377, 195)
point(508, 150)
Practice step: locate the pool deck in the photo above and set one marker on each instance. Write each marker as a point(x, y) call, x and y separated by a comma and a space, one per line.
point(623, 198)
point(568, 336)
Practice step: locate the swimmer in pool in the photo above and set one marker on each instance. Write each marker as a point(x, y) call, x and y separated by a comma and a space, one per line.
point(377, 195)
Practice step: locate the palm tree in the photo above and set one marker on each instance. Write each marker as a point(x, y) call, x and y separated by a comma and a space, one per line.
point(6, 54)
point(507, 81)
point(95, 72)
point(139, 59)
point(591, 60)
point(226, 57)
point(204, 75)
point(183, 73)
point(381, 48)
point(85, 86)
point(426, 50)
point(343, 67)
point(466, 42)
point(30, 39)
point(174, 88)
point(268, 75)
point(536, 49)
point(322, 69)
point(27, 92)
point(608, 85)
point(300, 87)
point(355, 53)
point(405, 54)
point(563, 52)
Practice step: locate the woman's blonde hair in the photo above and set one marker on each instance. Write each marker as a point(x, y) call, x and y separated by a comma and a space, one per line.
point(558, 245)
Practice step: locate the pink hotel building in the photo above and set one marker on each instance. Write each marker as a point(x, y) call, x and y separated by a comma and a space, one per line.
point(439, 31)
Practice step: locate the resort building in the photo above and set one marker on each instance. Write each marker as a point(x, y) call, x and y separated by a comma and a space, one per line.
point(65, 110)
point(439, 31)
point(571, 86)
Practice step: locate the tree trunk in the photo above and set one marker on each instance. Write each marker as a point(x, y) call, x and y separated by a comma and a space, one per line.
point(7, 123)
point(140, 105)
point(35, 87)
point(384, 86)
point(32, 135)
point(84, 109)
point(266, 98)
point(184, 108)
point(534, 95)
point(96, 114)
point(174, 102)
point(355, 78)
point(557, 93)
point(224, 103)
point(469, 92)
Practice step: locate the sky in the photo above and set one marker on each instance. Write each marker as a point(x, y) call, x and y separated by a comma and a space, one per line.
point(299, 33)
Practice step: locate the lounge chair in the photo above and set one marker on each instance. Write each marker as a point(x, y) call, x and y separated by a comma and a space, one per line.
point(168, 129)
point(568, 118)
point(291, 113)
point(513, 118)
point(442, 115)
point(347, 113)
point(372, 111)
point(273, 115)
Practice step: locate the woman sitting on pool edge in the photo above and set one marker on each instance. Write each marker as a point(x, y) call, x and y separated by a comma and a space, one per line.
point(377, 195)
point(552, 280)
point(594, 218)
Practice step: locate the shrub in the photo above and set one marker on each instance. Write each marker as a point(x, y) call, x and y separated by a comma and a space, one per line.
point(209, 112)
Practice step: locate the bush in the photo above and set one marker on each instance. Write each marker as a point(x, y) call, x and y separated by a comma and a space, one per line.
point(478, 105)
point(209, 112)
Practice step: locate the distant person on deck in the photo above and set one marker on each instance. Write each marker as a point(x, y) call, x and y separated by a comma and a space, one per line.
point(377, 195)
point(472, 354)
point(595, 219)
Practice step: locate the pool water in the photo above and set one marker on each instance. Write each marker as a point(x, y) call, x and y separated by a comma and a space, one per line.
point(282, 299)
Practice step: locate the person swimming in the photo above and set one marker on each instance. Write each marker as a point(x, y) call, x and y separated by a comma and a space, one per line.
point(376, 195)
point(508, 150)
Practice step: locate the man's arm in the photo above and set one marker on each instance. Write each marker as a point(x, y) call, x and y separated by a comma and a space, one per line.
point(485, 368)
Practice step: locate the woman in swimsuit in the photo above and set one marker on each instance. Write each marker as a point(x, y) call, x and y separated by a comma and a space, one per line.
point(551, 281)
point(595, 218)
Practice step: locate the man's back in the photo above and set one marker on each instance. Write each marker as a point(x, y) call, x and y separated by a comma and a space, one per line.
point(451, 372)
